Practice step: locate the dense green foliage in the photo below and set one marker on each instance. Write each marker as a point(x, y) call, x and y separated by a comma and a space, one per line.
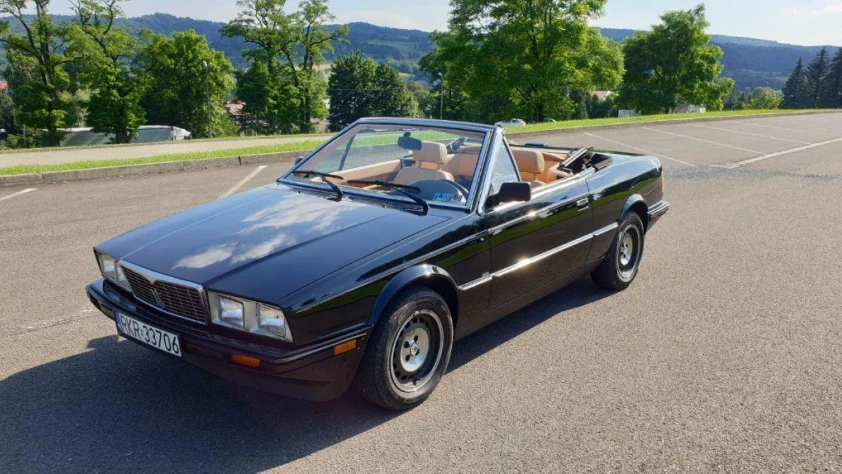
point(106, 53)
point(360, 87)
point(538, 53)
point(36, 74)
point(674, 65)
point(758, 98)
point(287, 49)
point(178, 75)
point(818, 86)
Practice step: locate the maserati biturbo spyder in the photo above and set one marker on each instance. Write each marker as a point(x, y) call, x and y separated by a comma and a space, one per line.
point(367, 260)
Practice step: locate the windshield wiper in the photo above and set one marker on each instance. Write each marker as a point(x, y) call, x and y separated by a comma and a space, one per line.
point(399, 188)
point(325, 176)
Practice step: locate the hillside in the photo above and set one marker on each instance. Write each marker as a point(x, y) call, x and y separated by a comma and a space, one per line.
point(750, 62)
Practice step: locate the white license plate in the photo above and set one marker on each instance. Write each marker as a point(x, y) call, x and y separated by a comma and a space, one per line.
point(149, 335)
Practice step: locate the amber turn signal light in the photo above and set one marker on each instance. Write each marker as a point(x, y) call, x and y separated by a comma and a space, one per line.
point(245, 361)
point(344, 347)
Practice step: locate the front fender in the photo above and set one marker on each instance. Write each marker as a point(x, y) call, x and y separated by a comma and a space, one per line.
point(429, 275)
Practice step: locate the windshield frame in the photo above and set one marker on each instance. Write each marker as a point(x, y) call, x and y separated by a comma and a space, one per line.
point(487, 132)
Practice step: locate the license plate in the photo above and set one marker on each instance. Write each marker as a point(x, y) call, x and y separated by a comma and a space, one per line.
point(149, 335)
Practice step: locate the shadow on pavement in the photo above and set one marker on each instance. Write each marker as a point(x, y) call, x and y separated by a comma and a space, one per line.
point(119, 407)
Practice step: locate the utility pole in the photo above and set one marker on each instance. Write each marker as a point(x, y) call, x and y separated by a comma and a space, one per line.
point(207, 89)
point(441, 93)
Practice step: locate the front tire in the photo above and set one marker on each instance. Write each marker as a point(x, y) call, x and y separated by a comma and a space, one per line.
point(408, 352)
point(622, 264)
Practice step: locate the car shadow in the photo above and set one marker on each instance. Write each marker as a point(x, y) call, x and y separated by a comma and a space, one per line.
point(119, 407)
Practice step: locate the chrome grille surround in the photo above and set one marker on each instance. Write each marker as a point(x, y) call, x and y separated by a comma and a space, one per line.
point(170, 295)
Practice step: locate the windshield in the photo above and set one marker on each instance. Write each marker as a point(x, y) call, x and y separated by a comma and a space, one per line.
point(435, 165)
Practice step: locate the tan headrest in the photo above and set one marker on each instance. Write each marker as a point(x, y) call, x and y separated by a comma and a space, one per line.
point(431, 152)
point(529, 161)
point(463, 164)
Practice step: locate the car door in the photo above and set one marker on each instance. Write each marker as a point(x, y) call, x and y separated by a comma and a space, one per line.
point(537, 242)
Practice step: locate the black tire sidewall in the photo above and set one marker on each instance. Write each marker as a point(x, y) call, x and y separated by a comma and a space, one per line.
point(631, 221)
point(374, 382)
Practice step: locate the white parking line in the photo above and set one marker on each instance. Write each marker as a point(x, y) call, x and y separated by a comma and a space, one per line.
point(243, 182)
point(19, 193)
point(703, 140)
point(641, 150)
point(787, 152)
point(800, 130)
point(749, 133)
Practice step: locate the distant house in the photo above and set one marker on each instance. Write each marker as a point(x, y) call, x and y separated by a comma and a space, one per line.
point(146, 134)
point(602, 95)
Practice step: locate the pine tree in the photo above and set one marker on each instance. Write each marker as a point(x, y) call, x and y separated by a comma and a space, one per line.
point(795, 90)
point(832, 95)
point(817, 78)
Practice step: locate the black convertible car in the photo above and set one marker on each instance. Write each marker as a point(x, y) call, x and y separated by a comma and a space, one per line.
point(369, 258)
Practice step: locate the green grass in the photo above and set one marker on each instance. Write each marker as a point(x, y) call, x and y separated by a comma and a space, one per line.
point(197, 156)
point(312, 144)
point(571, 124)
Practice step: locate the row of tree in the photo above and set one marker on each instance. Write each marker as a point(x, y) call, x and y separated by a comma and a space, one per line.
point(540, 59)
point(818, 86)
point(92, 71)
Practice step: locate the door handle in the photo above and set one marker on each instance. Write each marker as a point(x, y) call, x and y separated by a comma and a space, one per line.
point(583, 204)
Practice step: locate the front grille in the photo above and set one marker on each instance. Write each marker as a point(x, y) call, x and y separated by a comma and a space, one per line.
point(178, 300)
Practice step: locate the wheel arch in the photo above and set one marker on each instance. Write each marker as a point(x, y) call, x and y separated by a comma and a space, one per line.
point(430, 276)
point(638, 205)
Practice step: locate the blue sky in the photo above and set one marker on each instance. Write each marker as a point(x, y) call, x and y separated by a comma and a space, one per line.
point(807, 22)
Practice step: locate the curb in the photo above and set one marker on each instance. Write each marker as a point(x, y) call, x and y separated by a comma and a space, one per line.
point(148, 169)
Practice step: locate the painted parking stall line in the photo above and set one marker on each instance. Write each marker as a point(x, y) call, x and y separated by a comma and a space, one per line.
point(704, 141)
point(787, 152)
point(243, 182)
point(640, 150)
point(19, 193)
point(749, 134)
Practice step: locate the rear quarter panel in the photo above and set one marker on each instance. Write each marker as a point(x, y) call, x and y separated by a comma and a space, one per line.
point(630, 179)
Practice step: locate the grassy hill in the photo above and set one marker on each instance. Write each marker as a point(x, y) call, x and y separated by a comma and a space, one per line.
point(750, 62)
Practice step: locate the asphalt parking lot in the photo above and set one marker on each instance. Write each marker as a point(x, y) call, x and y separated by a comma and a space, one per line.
point(724, 356)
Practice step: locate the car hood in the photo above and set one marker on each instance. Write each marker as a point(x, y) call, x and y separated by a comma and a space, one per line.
point(266, 243)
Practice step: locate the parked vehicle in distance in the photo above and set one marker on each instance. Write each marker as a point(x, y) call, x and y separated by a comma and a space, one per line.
point(513, 123)
point(366, 261)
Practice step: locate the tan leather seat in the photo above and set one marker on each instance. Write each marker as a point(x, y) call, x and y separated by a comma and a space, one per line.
point(463, 165)
point(531, 165)
point(430, 161)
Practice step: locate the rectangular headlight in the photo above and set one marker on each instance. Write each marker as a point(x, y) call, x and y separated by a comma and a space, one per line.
point(249, 316)
point(231, 313)
point(111, 270)
point(273, 321)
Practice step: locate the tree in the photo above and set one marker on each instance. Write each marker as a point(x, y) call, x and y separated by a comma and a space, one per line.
point(832, 95)
point(292, 46)
point(179, 74)
point(817, 79)
point(674, 65)
point(795, 90)
point(760, 98)
point(359, 87)
point(107, 52)
point(35, 71)
point(525, 58)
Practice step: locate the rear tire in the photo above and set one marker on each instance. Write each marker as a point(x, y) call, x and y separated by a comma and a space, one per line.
point(622, 264)
point(408, 352)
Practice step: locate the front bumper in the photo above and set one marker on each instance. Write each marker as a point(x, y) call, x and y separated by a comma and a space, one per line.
point(658, 211)
point(312, 372)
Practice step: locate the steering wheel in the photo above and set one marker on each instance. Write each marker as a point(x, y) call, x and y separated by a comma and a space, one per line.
point(462, 190)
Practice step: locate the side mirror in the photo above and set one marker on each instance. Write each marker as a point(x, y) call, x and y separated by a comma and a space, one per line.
point(513, 192)
point(299, 160)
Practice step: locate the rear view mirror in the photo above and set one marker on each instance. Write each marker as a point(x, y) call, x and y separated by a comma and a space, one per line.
point(513, 192)
point(410, 144)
